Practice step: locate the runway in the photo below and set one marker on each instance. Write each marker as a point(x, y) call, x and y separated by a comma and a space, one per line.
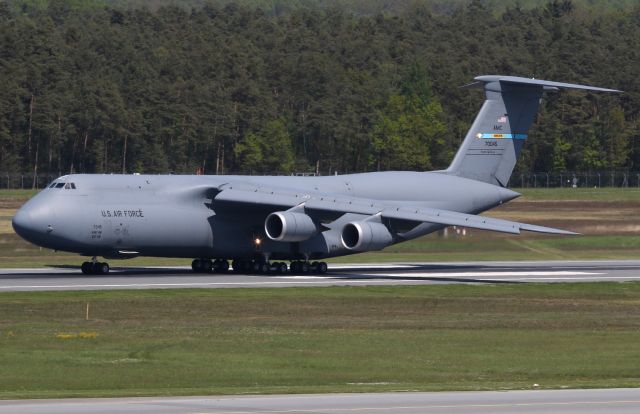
point(64, 278)
point(617, 401)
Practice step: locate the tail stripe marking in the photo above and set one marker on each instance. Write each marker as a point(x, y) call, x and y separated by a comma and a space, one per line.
point(504, 136)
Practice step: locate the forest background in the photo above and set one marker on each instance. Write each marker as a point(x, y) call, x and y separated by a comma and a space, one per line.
point(319, 86)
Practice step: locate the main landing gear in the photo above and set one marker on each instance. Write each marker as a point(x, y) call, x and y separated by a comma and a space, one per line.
point(259, 267)
point(209, 266)
point(275, 268)
point(300, 267)
point(95, 268)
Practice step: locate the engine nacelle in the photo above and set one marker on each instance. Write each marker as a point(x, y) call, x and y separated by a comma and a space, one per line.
point(366, 235)
point(288, 226)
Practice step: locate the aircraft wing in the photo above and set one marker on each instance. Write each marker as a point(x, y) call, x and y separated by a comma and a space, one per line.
point(276, 199)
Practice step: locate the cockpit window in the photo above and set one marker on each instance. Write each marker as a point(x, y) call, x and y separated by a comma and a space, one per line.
point(66, 186)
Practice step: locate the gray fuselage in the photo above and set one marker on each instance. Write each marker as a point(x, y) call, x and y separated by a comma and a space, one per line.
point(122, 216)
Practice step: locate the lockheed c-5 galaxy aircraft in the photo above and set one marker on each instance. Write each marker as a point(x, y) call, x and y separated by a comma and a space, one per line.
point(261, 221)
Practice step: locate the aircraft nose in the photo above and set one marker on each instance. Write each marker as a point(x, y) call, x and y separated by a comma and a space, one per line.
point(30, 225)
point(22, 223)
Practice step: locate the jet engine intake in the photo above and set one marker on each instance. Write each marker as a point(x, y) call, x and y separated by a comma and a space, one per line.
point(288, 226)
point(363, 236)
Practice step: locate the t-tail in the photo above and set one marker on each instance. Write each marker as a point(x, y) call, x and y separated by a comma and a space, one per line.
point(490, 150)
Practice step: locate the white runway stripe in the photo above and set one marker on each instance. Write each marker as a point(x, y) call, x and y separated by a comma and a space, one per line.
point(520, 274)
point(485, 274)
point(321, 281)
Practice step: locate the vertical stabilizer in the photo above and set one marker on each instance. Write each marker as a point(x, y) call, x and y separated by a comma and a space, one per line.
point(490, 150)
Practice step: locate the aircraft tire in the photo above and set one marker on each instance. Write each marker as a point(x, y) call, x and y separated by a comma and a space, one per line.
point(237, 266)
point(282, 268)
point(207, 266)
point(99, 268)
point(247, 267)
point(257, 267)
point(322, 268)
point(305, 268)
point(196, 265)
point(223, 266)
point(87, 268)
point(265, 268)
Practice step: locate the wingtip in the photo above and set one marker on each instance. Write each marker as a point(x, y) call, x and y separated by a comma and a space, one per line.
point(567, 232)
point(548, 230)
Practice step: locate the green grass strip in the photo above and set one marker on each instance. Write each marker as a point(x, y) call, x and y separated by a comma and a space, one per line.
point(339, 339)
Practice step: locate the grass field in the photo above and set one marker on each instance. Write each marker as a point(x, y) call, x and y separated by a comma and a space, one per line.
point(580, 194)
point(342, 339)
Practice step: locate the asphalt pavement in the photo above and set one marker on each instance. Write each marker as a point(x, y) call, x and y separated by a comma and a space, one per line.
point(612, 401)
point(66, 278)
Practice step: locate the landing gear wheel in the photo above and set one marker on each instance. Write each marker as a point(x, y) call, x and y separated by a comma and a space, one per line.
point(87, 268)
point(257, 267)
point(100, 268)
point(223, 266)
point(265, 268)
point(247, 267)
point(282, 268)
point(207, 266)
point(196, 265)
point(237, 265)
point(322, 268)
point(305, 268)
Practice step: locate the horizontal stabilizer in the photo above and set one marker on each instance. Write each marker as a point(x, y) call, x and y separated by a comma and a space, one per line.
point(540, 82)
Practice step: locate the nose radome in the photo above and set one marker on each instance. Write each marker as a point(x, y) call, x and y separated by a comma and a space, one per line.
point(33, 222)
point(22, 223)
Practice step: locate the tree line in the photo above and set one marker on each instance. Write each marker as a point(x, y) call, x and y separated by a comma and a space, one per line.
point(233, 89)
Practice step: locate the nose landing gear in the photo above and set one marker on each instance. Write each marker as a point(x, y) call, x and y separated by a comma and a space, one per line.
point(95, 267)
